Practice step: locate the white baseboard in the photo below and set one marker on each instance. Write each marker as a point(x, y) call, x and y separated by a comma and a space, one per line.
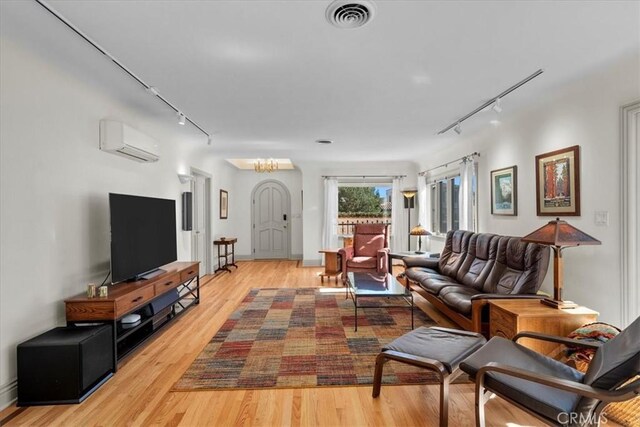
point(295, 256)
point(8, 394)
point(312, 262)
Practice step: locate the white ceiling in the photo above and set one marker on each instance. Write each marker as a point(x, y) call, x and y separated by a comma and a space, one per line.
point(268, 78)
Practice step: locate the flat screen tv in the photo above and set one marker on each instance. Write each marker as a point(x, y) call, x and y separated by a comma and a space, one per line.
point(143, 235)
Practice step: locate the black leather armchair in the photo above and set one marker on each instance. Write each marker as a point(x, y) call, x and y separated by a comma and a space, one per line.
point(552, 391)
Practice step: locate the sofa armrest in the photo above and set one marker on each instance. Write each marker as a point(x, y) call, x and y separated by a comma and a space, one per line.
point(506, 296)
point(383, 260)
point(420, 261)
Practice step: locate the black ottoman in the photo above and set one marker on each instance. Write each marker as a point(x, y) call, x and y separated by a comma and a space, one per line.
point(438, 349)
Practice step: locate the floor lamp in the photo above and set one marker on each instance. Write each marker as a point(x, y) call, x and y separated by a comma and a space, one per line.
point(559, 235)
point(409, 197)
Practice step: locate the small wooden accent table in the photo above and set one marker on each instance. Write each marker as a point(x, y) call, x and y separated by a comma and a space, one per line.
point(510, 316)
point(332, 264)
point(226, 255)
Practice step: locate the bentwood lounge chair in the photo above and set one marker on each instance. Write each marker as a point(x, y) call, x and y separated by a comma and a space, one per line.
point(550, 390)
point(370, 250)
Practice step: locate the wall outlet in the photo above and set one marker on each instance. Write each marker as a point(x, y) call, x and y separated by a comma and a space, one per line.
point(601, 218)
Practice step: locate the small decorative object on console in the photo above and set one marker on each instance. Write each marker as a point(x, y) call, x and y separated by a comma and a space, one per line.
point(103, 291)
point(130, 318)
point(91, 290)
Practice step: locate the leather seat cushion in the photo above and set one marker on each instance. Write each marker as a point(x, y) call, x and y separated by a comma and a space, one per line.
point(458, 297)
point(543, 399)
point(429, 280)
point(363, 262)
point(446, 347)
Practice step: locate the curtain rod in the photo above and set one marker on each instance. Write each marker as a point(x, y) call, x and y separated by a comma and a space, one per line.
point(364, 176)
point(474, 154)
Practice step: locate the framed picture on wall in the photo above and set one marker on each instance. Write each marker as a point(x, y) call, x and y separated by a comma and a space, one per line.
point(558, 182)
point(224, 204)
point(504, 191)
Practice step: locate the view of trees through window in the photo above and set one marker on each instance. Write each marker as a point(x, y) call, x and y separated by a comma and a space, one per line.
point(361, 205)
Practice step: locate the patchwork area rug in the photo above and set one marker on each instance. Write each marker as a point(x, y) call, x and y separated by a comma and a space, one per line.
point(303, 337)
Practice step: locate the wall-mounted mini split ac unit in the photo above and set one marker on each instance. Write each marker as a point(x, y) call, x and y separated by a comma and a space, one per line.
point(125, 141)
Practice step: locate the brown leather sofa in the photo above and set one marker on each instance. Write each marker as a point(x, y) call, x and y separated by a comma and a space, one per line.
point(474, 268)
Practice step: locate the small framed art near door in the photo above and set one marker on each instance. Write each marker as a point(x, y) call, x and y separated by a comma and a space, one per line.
point(224, 204)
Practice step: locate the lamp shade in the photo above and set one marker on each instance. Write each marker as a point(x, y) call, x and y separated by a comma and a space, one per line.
point(419, 230)
point(409, 193)
point(560, 233)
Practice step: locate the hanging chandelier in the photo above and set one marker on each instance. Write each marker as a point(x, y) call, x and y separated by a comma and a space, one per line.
point(265, 165)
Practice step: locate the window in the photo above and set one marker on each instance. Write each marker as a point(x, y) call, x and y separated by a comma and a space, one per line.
point(445, 212)
point(362, 203)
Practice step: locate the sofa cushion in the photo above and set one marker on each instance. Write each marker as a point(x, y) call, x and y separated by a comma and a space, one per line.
point(519, 268)
point(478, 261)
point(458, 297)
point(455, 249)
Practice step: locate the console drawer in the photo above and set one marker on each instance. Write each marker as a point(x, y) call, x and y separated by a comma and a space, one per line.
point(188, 273)
point(133, 299)
point(167, 283)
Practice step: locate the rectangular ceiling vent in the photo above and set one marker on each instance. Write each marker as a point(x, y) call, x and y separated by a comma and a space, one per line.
point(122, 140)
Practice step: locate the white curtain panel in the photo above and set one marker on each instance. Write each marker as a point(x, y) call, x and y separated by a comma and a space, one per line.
point(330, 223)
point(399, 232)
point(466, 195)
point(423, 207)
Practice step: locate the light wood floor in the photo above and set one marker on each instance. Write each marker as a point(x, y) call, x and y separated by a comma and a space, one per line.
point(139, 393)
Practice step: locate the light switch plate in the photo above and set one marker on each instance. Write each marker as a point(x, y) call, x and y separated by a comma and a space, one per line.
point(601, 218)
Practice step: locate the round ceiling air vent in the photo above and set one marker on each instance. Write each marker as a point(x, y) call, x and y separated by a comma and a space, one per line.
point(350, 13)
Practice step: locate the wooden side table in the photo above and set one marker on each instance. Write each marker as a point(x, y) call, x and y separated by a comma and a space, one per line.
point(332, 264)
point(510, 316)
point(226, 255)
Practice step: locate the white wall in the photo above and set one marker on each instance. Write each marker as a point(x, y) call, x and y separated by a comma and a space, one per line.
point(585, 113)
point(54, 190)
point(313, 194)
point(244, 184)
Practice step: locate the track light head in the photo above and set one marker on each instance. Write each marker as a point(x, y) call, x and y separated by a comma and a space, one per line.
point(181, 119)
point(458, 128)
point(209, 139)
point(496, 106)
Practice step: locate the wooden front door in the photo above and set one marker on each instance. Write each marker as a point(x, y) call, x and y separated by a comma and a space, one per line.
point(271, 208)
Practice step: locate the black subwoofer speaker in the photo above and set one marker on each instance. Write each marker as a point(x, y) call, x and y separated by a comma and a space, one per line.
point(64, 365)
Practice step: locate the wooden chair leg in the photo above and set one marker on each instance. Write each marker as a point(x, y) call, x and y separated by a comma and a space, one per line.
point(444, 401)
point(377, 376)
point(480, 399)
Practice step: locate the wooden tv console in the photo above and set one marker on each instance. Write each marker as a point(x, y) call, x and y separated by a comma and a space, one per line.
point(130, 297)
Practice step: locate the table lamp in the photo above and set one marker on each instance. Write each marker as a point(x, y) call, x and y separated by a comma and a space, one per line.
point(419, 231)
point(559, 235)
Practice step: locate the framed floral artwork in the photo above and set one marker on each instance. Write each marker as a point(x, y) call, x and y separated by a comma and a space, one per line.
point(558, 182)
point(504, 191)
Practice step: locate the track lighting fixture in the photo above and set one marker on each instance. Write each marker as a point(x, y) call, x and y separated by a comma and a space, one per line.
point(493, 103)
point(496, 106)
point(181, 119)
point(209, 139)
point(150, 89)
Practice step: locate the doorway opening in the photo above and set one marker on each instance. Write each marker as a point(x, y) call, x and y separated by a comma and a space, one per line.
point(201, 232)
point(270, 213)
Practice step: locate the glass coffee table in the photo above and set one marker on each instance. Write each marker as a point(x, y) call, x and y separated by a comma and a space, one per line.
point(371, 285)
